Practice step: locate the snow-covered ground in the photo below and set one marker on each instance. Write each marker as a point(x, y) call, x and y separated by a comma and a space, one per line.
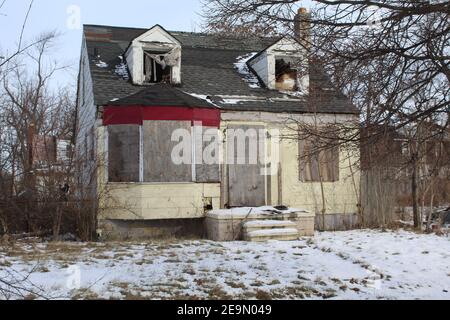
point(342, 265)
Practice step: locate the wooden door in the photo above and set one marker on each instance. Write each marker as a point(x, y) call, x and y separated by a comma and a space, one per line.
point(246, 181)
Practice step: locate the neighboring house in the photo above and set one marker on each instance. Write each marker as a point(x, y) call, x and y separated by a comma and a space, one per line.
point(49, 151)
point(387, 152)
point(137, 87)
point(51, 159)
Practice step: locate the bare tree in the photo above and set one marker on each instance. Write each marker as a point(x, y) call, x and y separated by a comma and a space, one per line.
point(34, 116)
point(381, 53)
point(389, 57)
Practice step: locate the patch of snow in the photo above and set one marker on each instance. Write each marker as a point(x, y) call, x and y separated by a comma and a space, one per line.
point(232, 101)
point(203, 97)
point(361, 264)
point(410, 265)
point(122, 70)
point(101, 64)
point(244, 71)
point(296, 94)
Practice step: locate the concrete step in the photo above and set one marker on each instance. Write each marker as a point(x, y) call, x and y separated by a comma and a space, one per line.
point(268, 224)
point(283, 234)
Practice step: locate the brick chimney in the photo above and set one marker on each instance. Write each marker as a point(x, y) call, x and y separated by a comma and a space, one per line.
point(302, 27)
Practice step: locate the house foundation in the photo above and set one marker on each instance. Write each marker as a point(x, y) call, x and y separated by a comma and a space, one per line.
point(138, 230)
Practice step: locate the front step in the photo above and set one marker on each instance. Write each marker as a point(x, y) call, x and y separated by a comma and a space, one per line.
point(264, 230)
point(267, 225)
point(272, 234)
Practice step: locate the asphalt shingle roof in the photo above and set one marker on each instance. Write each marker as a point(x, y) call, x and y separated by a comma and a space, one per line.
point(207, 69)
point(161, 95)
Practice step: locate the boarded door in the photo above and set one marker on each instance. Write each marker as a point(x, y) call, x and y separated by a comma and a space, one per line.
point(245, 147)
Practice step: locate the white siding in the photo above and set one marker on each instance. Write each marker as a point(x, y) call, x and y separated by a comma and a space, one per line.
point(260, 66)
point(264, 65)
point(86, 117)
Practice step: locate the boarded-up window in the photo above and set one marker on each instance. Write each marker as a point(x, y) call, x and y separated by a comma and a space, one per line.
point(159, 166)
point(123, 153)
point(207, 159)
point(318, 162)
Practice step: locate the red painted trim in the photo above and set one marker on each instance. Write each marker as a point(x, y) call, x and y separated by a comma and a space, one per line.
point(114, 115)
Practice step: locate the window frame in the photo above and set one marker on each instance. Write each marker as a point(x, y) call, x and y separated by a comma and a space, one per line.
point(144, 57)
point(194, 178)
point(332, 166)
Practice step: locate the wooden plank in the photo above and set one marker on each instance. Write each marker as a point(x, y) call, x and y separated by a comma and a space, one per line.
point(123, 153)
point(158, 147)
point(302, 160)
point(315, 166)
point(326, 164)
point(280, 184)
point(336, 162)
point(208, 170)
point(269, 186)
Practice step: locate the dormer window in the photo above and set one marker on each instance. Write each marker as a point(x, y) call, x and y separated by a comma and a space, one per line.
point(282, 66)
point(154, 57)
point(286, 75)
point(156, 69)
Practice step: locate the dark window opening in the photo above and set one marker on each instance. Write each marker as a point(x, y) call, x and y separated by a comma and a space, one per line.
point(285, 74)
point(155, 68)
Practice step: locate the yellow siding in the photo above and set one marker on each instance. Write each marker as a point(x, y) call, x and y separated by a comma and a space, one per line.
point(158, 201)
point(136, 201)
point(340, 196)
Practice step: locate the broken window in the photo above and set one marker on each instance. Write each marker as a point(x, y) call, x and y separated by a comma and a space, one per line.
point(158, 65)
point(318, 162)
point(286, 74)
point(123, 153)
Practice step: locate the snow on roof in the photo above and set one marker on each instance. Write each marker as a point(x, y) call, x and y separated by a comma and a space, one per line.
point(242, 68)
point(101, 64)
point(203, 97)
point(122, 70)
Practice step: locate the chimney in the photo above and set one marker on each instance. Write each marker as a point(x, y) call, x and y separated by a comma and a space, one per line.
point(302, 27)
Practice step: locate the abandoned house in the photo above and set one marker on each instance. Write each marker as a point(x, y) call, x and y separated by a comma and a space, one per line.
point(139, 88)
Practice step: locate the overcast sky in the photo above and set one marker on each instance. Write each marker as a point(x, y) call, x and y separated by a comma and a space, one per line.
point(61, 15)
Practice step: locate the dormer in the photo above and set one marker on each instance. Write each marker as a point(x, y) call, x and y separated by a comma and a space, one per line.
point(154, 57)
point(283, 66)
